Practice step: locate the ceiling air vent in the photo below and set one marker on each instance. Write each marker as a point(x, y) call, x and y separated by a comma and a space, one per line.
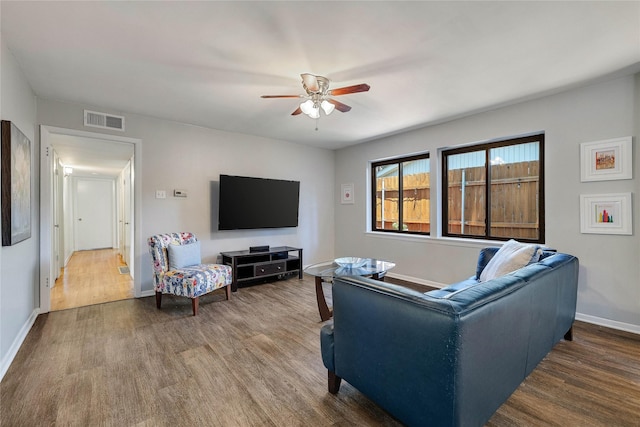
point(103, 120)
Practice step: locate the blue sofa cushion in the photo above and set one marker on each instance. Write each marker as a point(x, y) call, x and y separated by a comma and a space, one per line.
point(451, 290)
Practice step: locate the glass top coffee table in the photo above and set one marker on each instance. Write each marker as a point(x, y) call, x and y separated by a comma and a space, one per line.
point(328, 270)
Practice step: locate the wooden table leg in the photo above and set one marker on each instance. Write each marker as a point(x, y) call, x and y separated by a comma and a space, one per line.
point(323, 308)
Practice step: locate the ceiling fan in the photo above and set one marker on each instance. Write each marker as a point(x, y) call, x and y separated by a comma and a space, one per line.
point(318, 96)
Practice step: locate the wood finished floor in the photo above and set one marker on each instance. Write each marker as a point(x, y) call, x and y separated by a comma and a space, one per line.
point(91, 277)
point(255, 361)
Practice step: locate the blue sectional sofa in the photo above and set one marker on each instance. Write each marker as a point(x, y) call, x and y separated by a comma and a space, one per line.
point(452, 356)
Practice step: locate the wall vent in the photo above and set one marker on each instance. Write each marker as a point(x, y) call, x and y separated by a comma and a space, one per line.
point(103, 120)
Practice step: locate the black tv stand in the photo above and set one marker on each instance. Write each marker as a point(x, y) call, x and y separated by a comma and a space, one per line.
point(250, 266)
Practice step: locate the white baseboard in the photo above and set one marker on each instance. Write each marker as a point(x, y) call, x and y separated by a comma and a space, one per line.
point(613, 324)
point(417, 280)
point(17, 343)
point(150, 293)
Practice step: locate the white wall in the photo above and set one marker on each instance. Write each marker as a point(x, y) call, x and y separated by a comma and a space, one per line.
point(608, 286)
point(179, 156)
point(19, 275)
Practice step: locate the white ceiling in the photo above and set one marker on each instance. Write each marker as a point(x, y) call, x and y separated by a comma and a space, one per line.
point(207, 63)
point(91, 156)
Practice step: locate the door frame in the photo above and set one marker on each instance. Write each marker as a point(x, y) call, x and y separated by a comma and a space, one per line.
point(47, 260)
point(125, 204)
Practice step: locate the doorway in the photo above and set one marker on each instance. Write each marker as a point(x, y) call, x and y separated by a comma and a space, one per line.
point(88, 194)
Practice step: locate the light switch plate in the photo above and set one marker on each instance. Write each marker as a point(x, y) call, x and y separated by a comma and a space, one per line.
point(161, 194)
point(179, 193)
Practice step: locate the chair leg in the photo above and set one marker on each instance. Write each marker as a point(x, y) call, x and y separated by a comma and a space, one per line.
point(195, 302)
point(227, 289)
point(158, 299)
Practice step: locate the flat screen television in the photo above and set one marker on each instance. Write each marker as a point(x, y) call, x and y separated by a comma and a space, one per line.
point(247, 203)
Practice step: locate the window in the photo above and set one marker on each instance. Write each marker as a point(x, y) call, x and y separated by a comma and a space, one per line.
point(400, 199)
point(495, 190)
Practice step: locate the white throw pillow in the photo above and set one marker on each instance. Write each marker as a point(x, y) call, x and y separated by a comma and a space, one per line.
point(510, 257)
point(184, 255)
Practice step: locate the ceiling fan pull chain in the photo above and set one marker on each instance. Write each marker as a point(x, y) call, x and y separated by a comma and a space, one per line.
point(316, 124)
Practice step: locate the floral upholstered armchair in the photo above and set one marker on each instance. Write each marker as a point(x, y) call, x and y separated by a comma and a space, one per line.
point(178, 269)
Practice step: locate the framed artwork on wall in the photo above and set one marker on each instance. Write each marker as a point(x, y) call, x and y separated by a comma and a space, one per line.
point(606, 160)
point(347, 194)
point(16, 185)
point(606, 213)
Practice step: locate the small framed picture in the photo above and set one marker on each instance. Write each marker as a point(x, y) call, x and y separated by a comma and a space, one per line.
point(605, 213)
point(347, 194)
point(606, 160)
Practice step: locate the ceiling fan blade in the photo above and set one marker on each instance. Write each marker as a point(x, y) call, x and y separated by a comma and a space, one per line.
point(339, 105)
point(298, 111)
point(280, 96)
point(362, 87)
point(310, 82)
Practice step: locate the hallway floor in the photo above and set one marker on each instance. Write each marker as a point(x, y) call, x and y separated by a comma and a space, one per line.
point(91, 277)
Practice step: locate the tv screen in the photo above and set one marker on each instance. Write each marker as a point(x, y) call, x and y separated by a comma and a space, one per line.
point(247, 202)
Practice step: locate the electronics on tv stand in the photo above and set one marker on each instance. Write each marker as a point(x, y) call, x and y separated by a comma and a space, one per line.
point(259, 248)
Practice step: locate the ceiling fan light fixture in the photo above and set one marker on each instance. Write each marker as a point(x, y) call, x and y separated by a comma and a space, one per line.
point(310, 108)
point(315, 113)
point(307, 107)
point(327, 107)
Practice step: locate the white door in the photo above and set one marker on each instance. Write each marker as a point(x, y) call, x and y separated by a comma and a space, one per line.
point(94, 213)
point(57, 219)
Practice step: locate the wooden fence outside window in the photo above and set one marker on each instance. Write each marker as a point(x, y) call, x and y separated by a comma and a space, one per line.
point(416, 203)
point(514, 201)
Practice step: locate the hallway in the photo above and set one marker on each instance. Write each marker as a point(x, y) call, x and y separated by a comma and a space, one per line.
point(91, 277)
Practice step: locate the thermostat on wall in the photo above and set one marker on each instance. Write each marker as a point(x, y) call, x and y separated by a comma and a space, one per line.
point(179, 193)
